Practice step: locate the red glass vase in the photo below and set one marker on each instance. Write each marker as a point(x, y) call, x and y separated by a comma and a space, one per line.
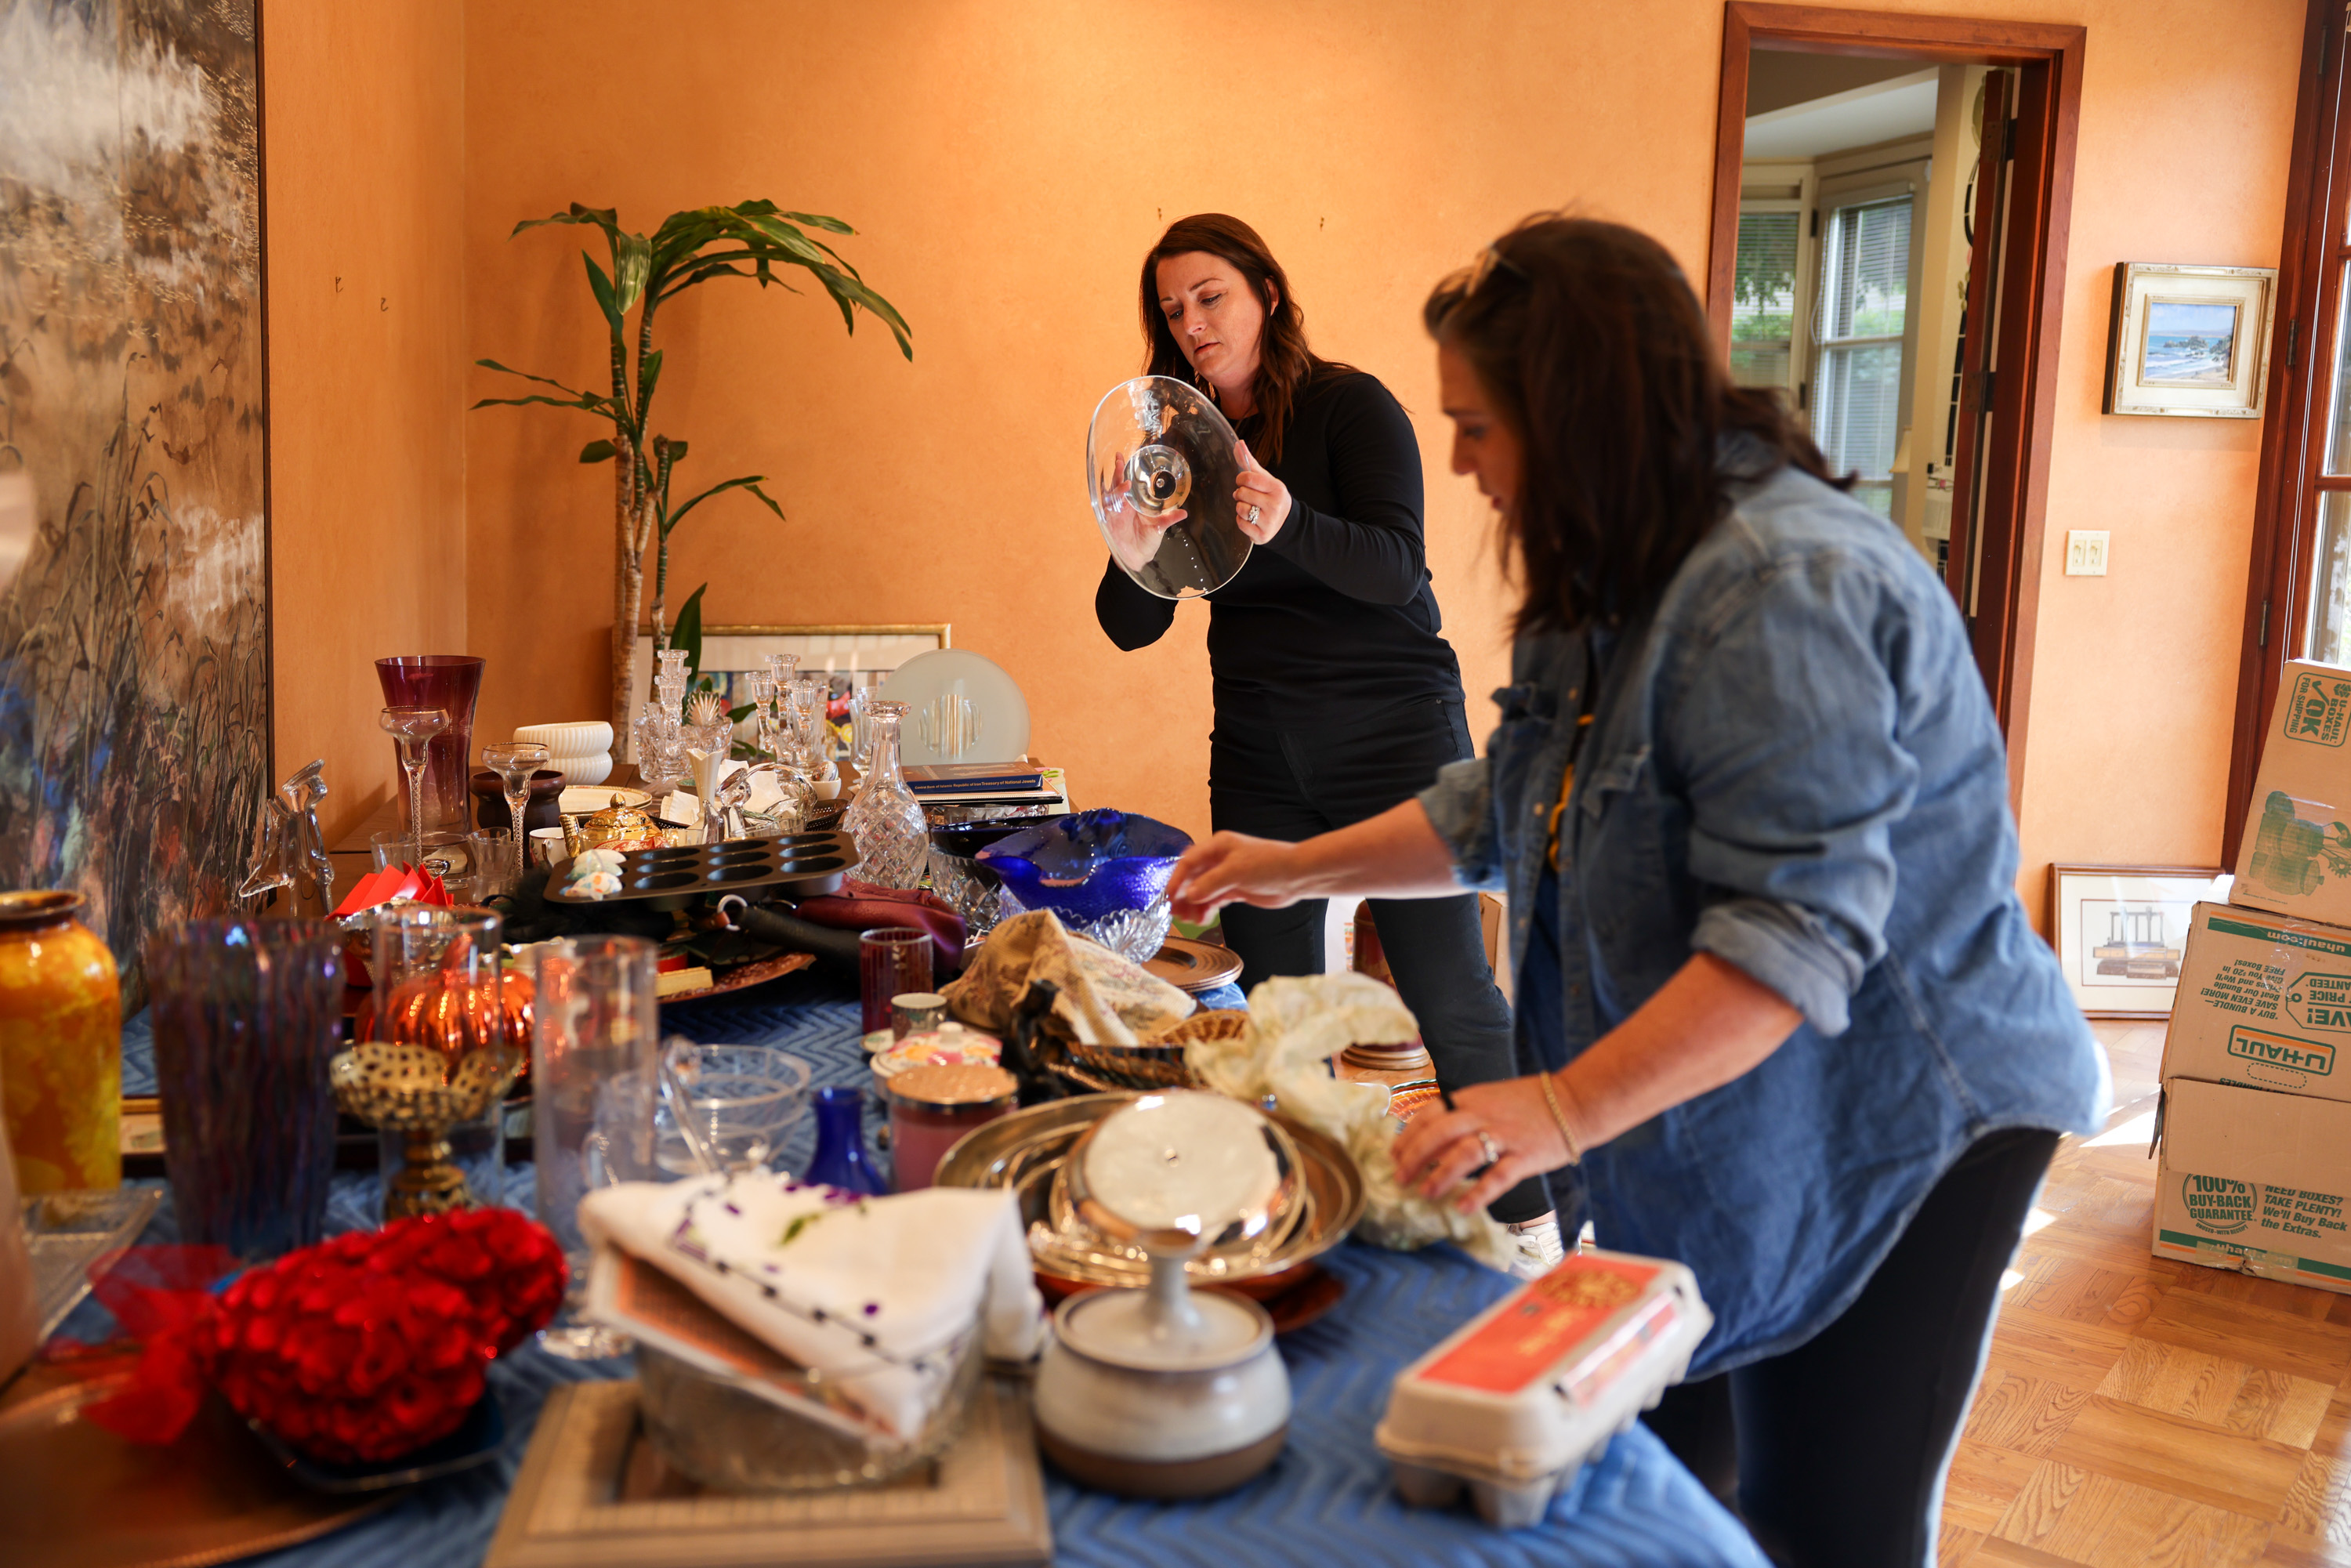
point(450, 681)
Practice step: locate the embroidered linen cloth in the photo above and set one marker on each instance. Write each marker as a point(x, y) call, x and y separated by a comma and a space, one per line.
point(863, 1288)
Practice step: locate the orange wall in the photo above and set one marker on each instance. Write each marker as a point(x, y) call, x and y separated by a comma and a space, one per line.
point(363, 116)
point(1008, 166)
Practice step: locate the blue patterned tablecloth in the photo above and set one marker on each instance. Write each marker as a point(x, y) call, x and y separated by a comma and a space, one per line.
point(1326, 1500)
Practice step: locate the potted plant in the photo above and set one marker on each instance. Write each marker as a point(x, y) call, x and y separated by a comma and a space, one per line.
point(749, 239)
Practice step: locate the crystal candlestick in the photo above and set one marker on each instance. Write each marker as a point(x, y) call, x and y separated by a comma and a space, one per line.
point(410, 729)
point(893, 837)
point(513, 763)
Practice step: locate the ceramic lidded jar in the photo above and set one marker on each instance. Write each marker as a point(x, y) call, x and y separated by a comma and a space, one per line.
point(60, 1045)
point(1165, 1392)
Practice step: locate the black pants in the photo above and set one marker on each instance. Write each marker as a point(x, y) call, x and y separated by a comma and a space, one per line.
point(1836, 1450)
point(1289, 781)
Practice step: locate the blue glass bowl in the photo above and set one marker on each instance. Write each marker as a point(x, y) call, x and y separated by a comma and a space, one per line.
point(1088, 866)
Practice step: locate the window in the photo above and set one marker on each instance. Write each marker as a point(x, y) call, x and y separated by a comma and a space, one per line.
point(1864, 300)
point(1763, 297)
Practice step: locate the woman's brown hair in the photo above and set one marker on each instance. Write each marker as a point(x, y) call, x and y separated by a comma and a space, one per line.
point(1284, 362)
point(1593, 348)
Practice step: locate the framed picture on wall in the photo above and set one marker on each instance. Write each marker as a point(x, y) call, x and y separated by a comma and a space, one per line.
point(2190, 341)
point(2120, 931)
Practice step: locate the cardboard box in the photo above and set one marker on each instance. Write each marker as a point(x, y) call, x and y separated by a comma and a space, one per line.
point(2296, 853)
point(2255, 1181)
point(2264, 1002)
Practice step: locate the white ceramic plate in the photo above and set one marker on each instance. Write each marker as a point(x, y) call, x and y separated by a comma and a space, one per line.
point(960, 707)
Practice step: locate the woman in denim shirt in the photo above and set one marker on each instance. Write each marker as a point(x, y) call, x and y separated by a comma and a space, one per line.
point(1783, 1013)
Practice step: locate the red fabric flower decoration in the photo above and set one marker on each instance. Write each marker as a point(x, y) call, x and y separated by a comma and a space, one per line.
point(363, 1348)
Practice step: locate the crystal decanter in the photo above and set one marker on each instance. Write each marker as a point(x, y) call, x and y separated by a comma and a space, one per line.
point(893, 837)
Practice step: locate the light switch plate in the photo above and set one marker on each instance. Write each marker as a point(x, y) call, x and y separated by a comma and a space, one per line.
point(2085, 552)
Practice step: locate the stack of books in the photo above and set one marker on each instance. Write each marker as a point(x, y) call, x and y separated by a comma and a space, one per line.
point(985, 784)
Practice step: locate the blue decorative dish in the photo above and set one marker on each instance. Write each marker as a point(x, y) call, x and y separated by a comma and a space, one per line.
point(1103, 873)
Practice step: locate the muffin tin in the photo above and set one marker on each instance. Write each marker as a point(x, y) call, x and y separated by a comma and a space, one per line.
point(809, 866)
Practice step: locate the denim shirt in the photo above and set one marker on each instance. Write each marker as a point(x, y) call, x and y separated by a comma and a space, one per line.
point(1792, 764)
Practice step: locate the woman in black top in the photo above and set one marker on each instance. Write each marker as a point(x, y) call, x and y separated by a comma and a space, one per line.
point(1337, 695)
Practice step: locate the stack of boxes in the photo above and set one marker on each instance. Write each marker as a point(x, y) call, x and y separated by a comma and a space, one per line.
point(2255, 1125)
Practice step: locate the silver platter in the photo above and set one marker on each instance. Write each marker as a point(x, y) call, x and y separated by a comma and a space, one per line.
point(1024, 1150)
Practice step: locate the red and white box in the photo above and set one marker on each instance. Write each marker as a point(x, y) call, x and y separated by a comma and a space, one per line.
point(1515, 1401)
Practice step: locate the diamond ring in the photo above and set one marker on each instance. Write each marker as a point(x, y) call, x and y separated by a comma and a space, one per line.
point(1486, 1148)
point(1252, 516)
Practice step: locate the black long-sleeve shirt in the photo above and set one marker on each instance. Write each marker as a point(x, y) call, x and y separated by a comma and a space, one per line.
point(1335, 616)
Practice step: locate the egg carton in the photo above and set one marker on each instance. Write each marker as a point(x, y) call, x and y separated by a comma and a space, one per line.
point(1513, 1404)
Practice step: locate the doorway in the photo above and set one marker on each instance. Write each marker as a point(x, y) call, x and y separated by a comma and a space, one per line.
point(1888, 254)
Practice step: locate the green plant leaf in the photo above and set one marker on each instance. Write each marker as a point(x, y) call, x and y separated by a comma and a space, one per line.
point(602, 288)
point(632, 260)
point(604, 218)
point(597, 452)
point(817, 221)
point(543, 381)
point(586, 403)
point(648, 377)
point(685, 632)
point(748, 482)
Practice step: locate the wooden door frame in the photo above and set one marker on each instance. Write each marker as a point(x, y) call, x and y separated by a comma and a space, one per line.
point(2293, 425)
point(2025, 408)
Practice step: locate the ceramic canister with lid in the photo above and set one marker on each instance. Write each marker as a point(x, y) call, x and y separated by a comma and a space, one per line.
point(61, 1044)
point(931, 1109)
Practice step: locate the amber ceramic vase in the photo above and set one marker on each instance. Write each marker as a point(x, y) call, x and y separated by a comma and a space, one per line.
point(60, 1045)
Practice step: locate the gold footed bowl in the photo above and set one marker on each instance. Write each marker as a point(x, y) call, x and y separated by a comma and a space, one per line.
point(416, 1091)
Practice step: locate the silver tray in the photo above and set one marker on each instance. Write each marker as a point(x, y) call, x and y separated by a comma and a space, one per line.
point(1024, 1150)
point(68, 1231)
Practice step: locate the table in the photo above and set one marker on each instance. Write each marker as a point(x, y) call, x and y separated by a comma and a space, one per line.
point(1326, 1500)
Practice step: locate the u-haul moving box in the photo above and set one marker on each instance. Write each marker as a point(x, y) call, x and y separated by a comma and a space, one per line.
point(2256, 1181)
point(2296, 853)
point(2264, 1002)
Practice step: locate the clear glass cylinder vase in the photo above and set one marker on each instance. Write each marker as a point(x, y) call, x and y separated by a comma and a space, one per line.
point(893, 837)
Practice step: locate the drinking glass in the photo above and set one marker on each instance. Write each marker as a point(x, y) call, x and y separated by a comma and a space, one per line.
point(890, 961)
point(412, 728)
point(247, 1015)
point(734, 1104)
point(513, 763)
point(438, 978)
point(593, 1017)
point(494, 858)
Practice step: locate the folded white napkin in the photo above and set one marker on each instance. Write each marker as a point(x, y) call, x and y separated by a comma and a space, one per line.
point(862, 1288)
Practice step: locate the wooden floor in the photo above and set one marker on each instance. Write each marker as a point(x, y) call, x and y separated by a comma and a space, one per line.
point(2138, 1413)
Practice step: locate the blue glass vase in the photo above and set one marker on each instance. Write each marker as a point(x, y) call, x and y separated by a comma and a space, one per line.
point(840, 1158)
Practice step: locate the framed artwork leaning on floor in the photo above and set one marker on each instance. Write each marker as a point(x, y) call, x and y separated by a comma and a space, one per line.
point(2120, 931)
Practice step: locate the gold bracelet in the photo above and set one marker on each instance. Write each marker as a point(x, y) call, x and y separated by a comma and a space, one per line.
point(1551, 1098)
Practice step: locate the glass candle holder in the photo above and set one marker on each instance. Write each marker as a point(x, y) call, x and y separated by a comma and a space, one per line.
point(450, 681)
point(916, 1012)
point(931, 1109)
point(892, 960)
point(247, 1015)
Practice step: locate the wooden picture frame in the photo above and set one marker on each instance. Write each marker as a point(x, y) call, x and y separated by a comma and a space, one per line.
point(2190, 341)
point(592, 1494)
point(2120, 930)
